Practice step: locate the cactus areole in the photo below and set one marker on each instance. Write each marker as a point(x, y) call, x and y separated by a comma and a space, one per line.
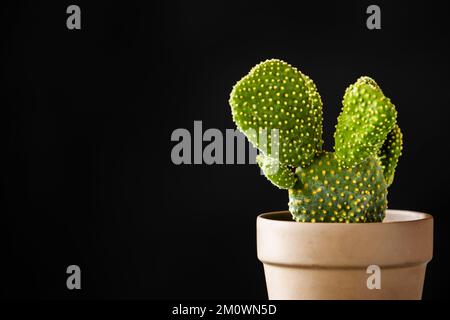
point(347, 185)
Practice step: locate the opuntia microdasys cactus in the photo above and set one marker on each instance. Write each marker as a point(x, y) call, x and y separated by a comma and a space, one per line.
point(349, 185)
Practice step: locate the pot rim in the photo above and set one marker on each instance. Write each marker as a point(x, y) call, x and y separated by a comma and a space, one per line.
point(274, 217)
point(405, 241)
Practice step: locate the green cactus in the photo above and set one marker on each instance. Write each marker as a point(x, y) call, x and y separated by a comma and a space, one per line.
point(390, 152)
point(366, 119)
point(280, 175)
point(279, 109)
point(337, 194)
point(274, 95)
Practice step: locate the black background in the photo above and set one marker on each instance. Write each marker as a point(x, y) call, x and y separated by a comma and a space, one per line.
point(87, 117)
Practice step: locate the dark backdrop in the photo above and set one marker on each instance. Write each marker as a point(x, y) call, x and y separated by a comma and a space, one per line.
point(87, 118)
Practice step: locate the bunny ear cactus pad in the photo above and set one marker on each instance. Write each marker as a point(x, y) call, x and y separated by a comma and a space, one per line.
point(279, 174)
point(390, 152)
point(331, 193)
point(278, 100)
point(366, 119)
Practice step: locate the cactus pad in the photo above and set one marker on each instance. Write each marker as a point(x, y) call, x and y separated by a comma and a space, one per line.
point(331, 193)
point(366, 119)
point(279, 174)
point(277, 96)
point(390, 152)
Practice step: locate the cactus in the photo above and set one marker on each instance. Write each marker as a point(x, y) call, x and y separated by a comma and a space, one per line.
point(274, 95)
point(366, 119)
point(347, 185)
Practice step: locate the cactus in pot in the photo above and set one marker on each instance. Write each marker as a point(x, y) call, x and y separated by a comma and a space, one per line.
point(279, 109)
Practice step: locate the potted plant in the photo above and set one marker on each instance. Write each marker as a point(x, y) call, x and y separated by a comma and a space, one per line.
point(338, 240)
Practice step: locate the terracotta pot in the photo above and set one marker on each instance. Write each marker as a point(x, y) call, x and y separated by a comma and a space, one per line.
point(345, 261)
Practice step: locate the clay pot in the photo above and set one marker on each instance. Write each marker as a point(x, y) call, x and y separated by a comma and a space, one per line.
point(345, 261)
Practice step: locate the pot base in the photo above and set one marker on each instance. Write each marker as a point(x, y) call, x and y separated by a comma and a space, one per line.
point(405, 283)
